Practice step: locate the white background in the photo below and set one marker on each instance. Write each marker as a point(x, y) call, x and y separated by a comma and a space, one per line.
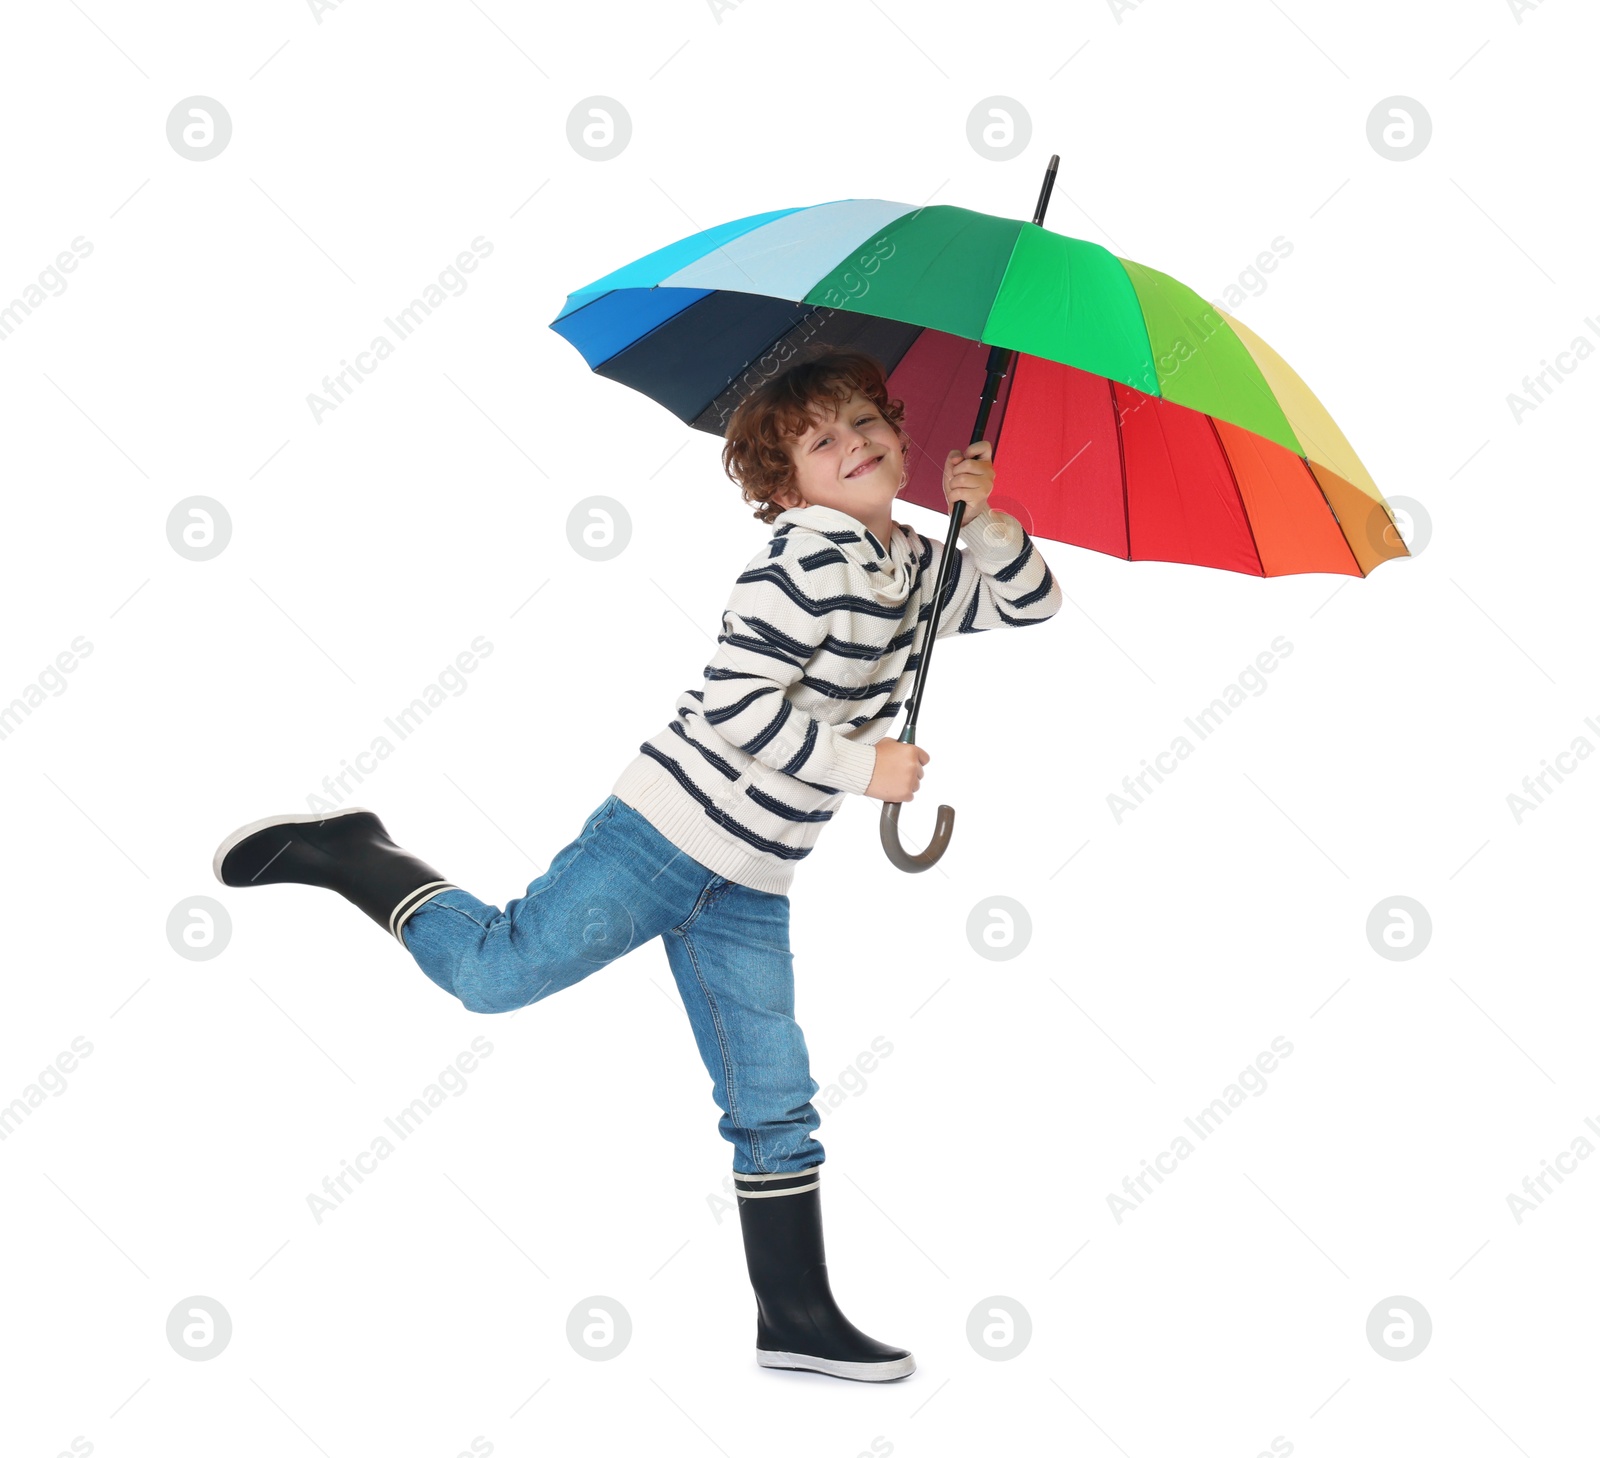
point(1230, 1309)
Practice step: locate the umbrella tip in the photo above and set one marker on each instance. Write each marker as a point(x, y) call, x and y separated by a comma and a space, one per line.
point(1045, 190)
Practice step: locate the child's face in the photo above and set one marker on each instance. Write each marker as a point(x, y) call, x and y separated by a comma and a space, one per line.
point(835, 446)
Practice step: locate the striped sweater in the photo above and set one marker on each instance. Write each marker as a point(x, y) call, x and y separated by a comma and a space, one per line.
point(818, 651)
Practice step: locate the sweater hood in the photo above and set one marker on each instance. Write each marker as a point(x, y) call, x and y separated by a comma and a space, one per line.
point(887, 566)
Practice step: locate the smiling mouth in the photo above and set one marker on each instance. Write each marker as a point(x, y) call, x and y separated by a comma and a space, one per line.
point(863, 468)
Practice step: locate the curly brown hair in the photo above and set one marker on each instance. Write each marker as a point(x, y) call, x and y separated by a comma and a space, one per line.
point(755, 453)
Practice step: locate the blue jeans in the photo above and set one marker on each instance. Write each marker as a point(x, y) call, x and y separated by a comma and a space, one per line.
point(618, 885)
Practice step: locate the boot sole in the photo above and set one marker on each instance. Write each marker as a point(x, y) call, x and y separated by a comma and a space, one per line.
point(244, 832)
point(855, 1371)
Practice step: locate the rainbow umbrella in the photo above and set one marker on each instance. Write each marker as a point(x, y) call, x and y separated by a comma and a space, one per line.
point(1130, 416)
point(1137, 419)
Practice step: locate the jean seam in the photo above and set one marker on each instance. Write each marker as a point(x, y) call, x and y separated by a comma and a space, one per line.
point(591, 827)
point(446, 906)
point(590, 830)
point(708, 895)
point(722, 1047)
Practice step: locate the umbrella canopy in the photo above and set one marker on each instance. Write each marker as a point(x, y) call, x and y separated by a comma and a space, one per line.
point(1138, 420)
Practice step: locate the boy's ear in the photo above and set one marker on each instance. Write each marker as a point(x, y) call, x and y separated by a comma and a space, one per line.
point(788, 497)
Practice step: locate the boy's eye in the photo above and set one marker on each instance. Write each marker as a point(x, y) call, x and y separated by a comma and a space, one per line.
point(823, 440)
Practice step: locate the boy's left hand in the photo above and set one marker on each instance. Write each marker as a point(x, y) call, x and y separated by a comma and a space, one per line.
point(969, 477)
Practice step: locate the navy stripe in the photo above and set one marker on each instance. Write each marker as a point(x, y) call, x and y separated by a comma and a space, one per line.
point(822, 558)
point(757, 645)
point(1010, 621)
point(842, 647)
point(1017, 563)
point(837, 691)
point(721, 716)
point(830, 689)
point(804, 752)
point(771, 633)
point(970, 614)
point(771, 847)
point(787, 811)
point(1029, 598)
point(819, 607)
point(765, 737)
point(716, 761)
point(967, 625)
point(729, 772)
point(888, 711)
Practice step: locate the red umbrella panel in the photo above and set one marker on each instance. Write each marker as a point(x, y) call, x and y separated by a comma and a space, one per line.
point(1096, 463)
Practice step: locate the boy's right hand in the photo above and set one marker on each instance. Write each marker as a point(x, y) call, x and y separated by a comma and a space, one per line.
point(898, 770)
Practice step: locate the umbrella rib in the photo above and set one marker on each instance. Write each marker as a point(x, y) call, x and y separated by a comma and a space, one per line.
point(1122, 468)
point(812, 310)
point(1344, 536)
point(1249, 526)
point(1002, 400)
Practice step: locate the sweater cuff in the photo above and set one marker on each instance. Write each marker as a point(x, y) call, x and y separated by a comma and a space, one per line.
point(855, 763)
point(993, 537)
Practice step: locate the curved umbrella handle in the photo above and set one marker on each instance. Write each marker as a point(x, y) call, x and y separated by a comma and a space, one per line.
point(889, 817)
point(889, 834)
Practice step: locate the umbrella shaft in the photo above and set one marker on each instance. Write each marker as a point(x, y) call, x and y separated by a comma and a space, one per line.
point(999, 365)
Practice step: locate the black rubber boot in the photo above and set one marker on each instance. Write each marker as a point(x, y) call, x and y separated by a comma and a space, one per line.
point(798, 1323)
point(348, 851)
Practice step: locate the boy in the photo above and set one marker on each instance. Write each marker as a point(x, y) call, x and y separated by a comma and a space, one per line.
point(699, 839)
